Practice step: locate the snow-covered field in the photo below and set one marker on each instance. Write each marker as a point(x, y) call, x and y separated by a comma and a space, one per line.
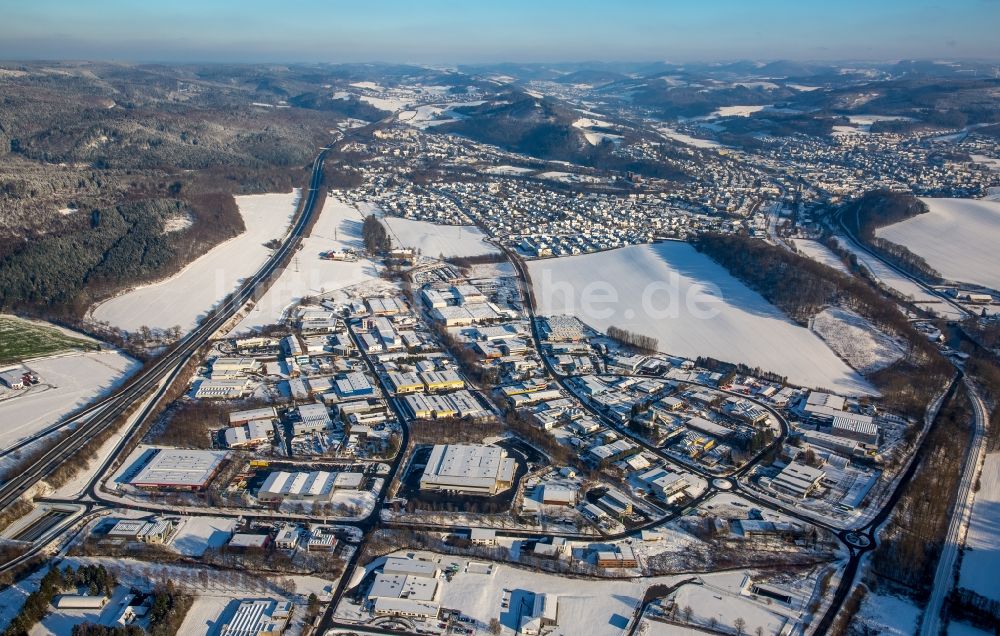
point(68, 382)
point(889, 615)
point(187, 295)
point(693, 306)
point(894, 280)
point(856, 340)
point(676, 135)
point(433, 239)
point(508, 170)
point(958, 237)
point(338, 226)
point(992, 162)
point(982, 558)
point(430, 115)
point(738, 111)
point(820, 253)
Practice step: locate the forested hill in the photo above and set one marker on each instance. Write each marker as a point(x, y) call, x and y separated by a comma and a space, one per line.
point(802, 287)
point(880, 208)
point(93, 253)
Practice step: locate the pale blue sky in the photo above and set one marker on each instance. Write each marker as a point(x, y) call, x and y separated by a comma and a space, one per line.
point(450, 31)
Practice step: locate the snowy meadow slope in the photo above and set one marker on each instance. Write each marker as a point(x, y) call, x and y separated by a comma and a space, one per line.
point(958, 237)
point(692, 306)
point(189, 294)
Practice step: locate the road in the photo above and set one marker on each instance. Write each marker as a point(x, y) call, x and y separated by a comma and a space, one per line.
point(917, 281)
point(944, 575)
point(107, 411)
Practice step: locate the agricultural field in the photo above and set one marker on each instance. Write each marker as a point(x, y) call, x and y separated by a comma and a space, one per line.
point(186, 296)
point(337, 228)
point(692, 306)
point(22, 339)
point(436, 240)
point(820, 253)
point(958, 237)
point(67, 382)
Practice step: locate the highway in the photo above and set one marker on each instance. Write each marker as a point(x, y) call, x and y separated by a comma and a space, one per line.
point(960, 515)
point(107, 411)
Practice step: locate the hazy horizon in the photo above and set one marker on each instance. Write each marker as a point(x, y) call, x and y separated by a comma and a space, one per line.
point(444, 32)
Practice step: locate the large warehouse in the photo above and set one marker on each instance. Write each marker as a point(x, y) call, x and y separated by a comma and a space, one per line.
point(177, 469)
point(472, 469)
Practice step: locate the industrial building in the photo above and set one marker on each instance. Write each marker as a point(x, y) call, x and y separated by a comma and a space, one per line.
point(237, 418)
point(442, 380)
point(222, 389)
point(314, 486)
point(157, 531)
point(621, 557)
point(253, 433)
point(406, 587)
point(797, 479)
point(473, 469)
point(259, 618)
point(177, 469)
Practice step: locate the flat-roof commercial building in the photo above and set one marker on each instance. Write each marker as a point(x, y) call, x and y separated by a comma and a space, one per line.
point(442, 380)
point(252, 415)
point(259, 618)
point(178, 469)
point(156, 531)
point(474, 469)
point(222, 389)
point(857, 427)
point(253, 433)
point(403, 383)
point(406, 587)
point(797, 479)
point(318, 485)
point(620, 557)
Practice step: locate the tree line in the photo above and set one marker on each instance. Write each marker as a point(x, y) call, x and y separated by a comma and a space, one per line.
point(643, 343)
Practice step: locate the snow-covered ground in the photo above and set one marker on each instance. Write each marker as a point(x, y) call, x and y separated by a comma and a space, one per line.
point(903, 285)
point(197, 534)
point(508, 170)
point(189, 294)
point(856, 340)
point(693, 306)
point(992, 162)
point(430, 115)
point(982, 557)
point(434, 240)
point(738, 111)
point(889, 615)
point(820, 253)
point(588, 607)
point(338, 227)
point(676, 135)
point(958, 237)
point(13, 596)
point(69, 381)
